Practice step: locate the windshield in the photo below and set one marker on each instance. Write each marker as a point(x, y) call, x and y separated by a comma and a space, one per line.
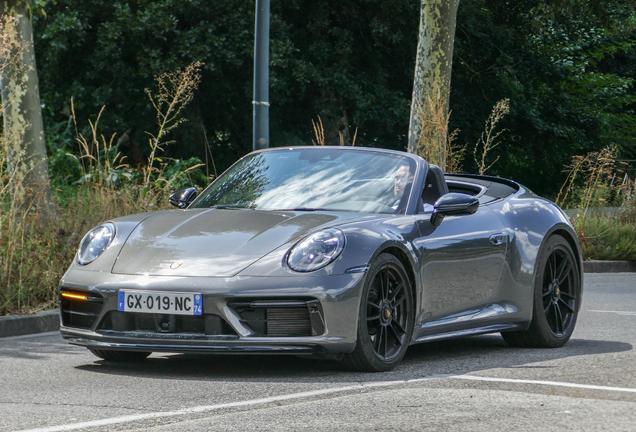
point(314, 179)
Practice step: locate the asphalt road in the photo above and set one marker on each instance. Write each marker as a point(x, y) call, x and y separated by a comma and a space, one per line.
point(471, 384)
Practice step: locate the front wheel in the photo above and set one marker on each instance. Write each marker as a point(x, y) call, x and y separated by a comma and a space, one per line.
point(120, 356)
point(557, 298)
point(385, 322)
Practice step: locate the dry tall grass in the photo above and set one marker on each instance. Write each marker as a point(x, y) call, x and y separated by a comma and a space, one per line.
point(435, 142)
point(319, 134)
point(33, 255)
point(589, 181)
point(488, 139)
point(175, 91)
point(597, 181)
point(18, 226)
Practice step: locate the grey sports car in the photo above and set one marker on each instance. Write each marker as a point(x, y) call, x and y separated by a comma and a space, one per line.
point(335, 252)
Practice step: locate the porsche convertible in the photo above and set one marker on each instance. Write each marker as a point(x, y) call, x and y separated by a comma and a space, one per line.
point(342, 253)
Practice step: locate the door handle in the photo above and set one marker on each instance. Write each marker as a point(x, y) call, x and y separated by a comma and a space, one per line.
point(497, 239)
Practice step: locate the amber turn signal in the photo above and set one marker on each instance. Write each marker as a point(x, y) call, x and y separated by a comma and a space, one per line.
point(73, 296)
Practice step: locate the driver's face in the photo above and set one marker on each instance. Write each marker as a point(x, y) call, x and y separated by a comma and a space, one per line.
point(401, 179)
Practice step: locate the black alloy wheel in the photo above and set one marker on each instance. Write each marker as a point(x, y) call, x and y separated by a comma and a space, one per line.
point(560, 292)
point(557, 298)
point(386, 317)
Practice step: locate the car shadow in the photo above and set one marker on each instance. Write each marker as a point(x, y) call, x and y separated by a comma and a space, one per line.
point(457, 356)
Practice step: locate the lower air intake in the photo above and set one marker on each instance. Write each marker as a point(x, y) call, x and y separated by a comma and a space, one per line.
point(281, 318)
point(288, 322)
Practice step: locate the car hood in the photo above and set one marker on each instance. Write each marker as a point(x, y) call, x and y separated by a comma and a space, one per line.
point(212, 242)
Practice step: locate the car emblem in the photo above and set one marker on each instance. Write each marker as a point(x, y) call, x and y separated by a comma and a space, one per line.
point(175, 265)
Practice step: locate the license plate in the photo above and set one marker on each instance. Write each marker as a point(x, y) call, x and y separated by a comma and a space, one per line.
point(156, 302)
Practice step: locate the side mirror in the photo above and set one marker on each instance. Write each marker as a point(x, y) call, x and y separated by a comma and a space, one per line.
point(453, 204)
point(183, 197)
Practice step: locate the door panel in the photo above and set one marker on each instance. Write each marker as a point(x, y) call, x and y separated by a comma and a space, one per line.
point(461, 262)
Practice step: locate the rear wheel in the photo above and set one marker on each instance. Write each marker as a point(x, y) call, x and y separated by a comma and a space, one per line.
point(557, 294)
point(120, 356)
point(385, 322)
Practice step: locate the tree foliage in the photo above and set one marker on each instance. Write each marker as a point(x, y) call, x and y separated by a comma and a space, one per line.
point(566, 66)
point(348, 61)
point(558, 67)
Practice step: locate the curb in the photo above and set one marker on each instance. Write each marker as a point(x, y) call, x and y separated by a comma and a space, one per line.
point(18, 325)
point(593, 266)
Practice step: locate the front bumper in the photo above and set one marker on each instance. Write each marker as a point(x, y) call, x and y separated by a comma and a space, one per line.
point(334, 298)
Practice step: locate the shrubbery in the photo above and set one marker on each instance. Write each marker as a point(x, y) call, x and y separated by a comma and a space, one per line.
point(609, 238)
point(602, 203)
point(91, 188)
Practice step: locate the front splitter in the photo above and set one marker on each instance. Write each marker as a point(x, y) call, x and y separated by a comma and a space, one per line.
point(193, 348)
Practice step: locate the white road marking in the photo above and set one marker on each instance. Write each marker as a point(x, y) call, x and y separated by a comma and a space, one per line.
point(292, 396)
point(33, 335)
point(185, 411)
point(614, 312)
point(547, 383)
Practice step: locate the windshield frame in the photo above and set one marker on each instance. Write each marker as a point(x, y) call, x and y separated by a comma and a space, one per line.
point(421, 168)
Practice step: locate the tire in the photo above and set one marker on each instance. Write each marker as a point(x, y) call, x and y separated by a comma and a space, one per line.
point(385, 318)
point(120, 356)
point(557, 298)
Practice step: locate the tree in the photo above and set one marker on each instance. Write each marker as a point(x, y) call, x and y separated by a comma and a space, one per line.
point(348, 61)
point(567, 74)
point(23, 128)
point(352, 63)
point(432, 78)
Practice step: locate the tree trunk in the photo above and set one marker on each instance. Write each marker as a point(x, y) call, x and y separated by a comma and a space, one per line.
point(22, 113)
point(431, 84)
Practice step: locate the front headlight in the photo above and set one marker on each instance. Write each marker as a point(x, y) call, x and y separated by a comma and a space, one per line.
point(95, 243)
point(316, 251)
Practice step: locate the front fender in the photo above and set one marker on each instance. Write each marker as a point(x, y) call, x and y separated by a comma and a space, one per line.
point(364, 241)
point(124, 226)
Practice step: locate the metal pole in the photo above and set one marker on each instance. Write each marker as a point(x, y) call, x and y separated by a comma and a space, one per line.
point(261, 76)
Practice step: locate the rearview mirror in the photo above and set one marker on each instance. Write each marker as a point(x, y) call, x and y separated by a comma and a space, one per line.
point(183, 197)
point(453, 204)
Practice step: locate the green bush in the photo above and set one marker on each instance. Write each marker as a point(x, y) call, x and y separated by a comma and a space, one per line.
point(607, 238)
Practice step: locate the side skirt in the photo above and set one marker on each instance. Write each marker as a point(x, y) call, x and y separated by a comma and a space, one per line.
point(469, 332)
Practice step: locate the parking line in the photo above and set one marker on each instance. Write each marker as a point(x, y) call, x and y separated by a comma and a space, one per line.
point(546, 383)
point(292, 396)
point(614, 312)
point(185, 411)
point(29, 336)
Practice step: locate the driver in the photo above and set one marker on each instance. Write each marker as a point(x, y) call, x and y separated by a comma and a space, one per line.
point(402, 178)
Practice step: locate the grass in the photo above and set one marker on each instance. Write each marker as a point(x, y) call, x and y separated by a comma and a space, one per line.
point(596, 181)
point(604, 238)
point(434, 142)
point(488, 139)
point(437, 144)
point(319, 133)
point(34, 256)
point(35, 253)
